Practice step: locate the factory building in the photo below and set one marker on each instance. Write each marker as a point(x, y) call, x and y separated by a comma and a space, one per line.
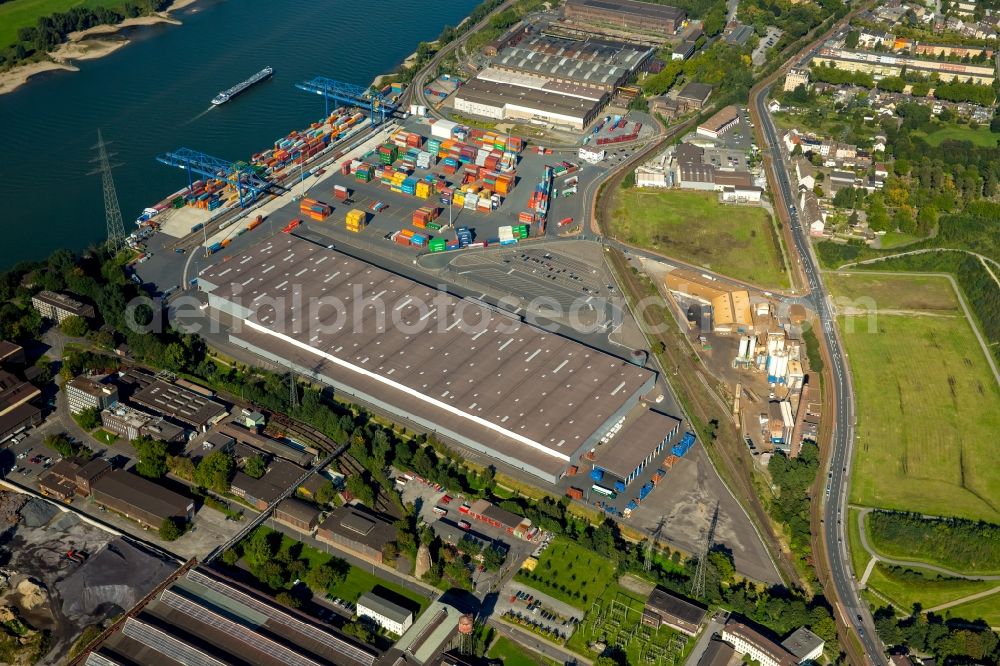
point(720, 123)
point(182, 404)
point(143, 501)
point(358, 529)
point(131, 423)
point(552, 81)
point(200, 617)
point(624, 453)
point(758, 647)
point(626, 15)
point(475, 375)
point(261, 493)
point(883, 64)
point(298, 514)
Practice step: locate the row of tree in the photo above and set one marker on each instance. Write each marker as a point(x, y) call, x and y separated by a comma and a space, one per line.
point(961, 545)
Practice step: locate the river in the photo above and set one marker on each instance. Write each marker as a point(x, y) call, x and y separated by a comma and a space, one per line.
point(153, 96)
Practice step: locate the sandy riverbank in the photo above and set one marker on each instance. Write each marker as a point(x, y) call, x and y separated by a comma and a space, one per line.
point(85, 45)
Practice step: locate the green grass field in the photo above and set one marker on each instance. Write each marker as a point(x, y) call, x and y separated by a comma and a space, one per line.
point(621, 611)
point(570, 573)
point(986, 608)
point(513, 654)
point(927, 589)
point(736, 241)
point(859, 556)
point(918, 292)
point(928, 406)
point(24, 13)
point(981, 136)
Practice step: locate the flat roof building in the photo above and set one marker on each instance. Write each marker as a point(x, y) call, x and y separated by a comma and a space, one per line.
point(53, 305)
point(72, 476)
point(626, 452)
point(205, 619)
point(15, 393)
point(664, 608)
point(301, 457)
point(279, 477)
point(476, 375)
point(695, 95)
point(140, 499)
point(17, 419)
point(84, 393)
point(386, 614)
point(883, 64)
point(359, 529)
point(177, 402)
point(626, 15)
point(804, 645)
point(11, 354)
point(502, 101)
point(131, 424)
point(718, 653)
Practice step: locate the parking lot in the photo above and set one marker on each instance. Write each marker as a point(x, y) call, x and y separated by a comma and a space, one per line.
point(538, 609)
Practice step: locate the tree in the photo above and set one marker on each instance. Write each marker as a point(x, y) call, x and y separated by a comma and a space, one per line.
point(61, 444)
point(287, 599)
point(214, 471)
point(230, 557)
point(171, 529)
point(152, 462)
point(361, 489)
point(324, 576)
point(74, 327)
point(359, 629)
point(851, 40)
point(255, 467)
point(493, 558)
point(181, 467)
point(89, 418)
point(326, 493)
point(259, 547)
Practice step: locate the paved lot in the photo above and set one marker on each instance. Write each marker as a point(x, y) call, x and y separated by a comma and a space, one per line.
point(564, 614)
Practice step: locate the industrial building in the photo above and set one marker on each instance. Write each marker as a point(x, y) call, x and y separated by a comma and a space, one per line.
point(489, 513)
point(83, 393)
point(724, 120)
point(131, 424)
point(358, 529)
point(664, 608)
point(302, 457)
point(11, 355)
point(203, 618)
point(804, 645)
point(141, 500)
point(429, 635)
point(551, 80)
point(260, 493)
point(16, 410)
point(626, 15)
point(388, 615)
point(625, 452)
point(298, 514)
point(71, 476)
point(747, 641)
point(181, 404)
point(475, 375)
point(884, 64)
point(53, 305)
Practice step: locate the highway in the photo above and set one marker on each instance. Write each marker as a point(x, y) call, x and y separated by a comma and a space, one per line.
point(855, 610)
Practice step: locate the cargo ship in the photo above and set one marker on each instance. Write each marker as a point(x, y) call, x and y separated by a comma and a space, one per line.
point(227, 95)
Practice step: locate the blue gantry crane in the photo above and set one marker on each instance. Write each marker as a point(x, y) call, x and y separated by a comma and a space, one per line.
point(248, 183)
point(368, 99)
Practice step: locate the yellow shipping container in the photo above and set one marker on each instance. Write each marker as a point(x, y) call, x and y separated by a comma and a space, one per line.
point(459, 198)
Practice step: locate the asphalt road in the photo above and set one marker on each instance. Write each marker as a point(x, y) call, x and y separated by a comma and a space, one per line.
point(838, 484)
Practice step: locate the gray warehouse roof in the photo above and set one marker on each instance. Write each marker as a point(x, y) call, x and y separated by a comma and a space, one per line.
point(383, 607)
point(142, 494)
point(636, 440)
point(644, 9)
point(598, 72)
point(497, 94)
point(179, 403)
point(476, 367)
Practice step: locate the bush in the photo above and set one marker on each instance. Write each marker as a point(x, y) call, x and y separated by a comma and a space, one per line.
point(74, 327)
point(171, 529)
point(89, 419)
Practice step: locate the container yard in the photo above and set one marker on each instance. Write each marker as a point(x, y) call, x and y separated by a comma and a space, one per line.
point(614, 129)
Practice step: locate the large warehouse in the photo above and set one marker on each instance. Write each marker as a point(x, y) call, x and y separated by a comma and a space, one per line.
point(551, 80)
point(483, 378)
point(627, 15)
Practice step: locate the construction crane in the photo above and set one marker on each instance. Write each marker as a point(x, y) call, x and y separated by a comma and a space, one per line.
point(370, 100)
point(248, 183)
point(112, 211)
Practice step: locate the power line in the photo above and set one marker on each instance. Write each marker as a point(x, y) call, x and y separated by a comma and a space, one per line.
point(112, 211)
point(698, 584)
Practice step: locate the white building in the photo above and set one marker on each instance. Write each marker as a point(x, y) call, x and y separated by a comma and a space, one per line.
point(83, 393)
point(746, 641)
point(391, 617)
point(741, 194)
point(593, 156)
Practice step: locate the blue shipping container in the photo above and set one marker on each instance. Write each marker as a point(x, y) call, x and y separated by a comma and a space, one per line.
point(597, 474)
point(620, 486)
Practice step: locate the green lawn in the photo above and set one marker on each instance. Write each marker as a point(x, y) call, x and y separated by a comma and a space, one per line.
point(890, 292)
point(105, 437)
point(986, 608)
point(621, 611)
point(570, 573)
point(906, 588)
point(893, 239)
point(736, 241)
point(513, 654)
point(24, 13)
point(928, 406)
point(859, 556)
point(981, 136)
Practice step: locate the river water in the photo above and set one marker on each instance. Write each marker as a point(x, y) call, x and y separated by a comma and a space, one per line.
point(153, 96)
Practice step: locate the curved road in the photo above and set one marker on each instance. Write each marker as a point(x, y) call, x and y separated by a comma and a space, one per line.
point(910, 563)
point(855, 610)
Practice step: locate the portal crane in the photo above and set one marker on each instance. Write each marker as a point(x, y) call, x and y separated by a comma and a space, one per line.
point(369, 99)
point(248, 183)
